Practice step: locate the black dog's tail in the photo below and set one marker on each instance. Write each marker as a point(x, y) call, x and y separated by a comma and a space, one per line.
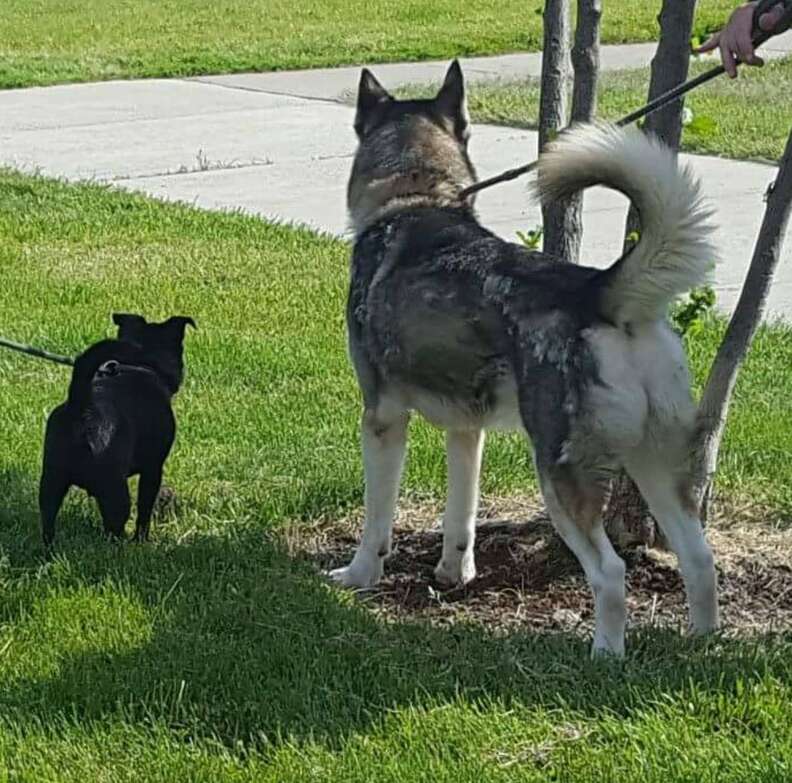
point(87, 364)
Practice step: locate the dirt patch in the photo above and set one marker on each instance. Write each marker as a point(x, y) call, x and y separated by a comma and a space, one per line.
point(528, 579)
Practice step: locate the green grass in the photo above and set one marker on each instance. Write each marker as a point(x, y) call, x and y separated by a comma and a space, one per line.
point(750, 117)
point(210, 654)
point(49, 41)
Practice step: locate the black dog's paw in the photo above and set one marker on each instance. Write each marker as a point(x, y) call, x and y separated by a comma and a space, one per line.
point(114, 536)
point(167, 504)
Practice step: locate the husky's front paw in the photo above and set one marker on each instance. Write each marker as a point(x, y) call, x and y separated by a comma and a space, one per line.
point(458, 570)
point(365, 570)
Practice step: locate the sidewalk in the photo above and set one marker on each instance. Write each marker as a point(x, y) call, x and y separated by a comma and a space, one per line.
point(280, 145)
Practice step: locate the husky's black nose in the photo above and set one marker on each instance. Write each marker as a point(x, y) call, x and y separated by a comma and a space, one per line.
point(108, 369)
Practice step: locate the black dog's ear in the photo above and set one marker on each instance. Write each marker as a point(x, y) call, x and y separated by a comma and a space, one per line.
point(127, 319)
point(129, 326)
point(178, 323)
point(451, 103)
point(372, 96)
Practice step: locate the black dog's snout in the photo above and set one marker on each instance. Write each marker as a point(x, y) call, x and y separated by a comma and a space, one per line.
point(108, 369)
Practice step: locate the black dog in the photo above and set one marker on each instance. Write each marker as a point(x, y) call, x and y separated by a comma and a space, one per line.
point(117, 422)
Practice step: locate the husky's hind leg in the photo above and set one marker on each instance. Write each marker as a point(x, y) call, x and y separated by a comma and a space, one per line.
point(457, 564)
point(575, 500)
point(384, 442)
point(667, 492)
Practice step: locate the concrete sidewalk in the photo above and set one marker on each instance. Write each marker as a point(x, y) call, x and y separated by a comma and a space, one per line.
point(280, 145)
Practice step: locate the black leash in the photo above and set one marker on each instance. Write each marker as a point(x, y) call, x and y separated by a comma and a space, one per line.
point(759, 37)
point(37, 352)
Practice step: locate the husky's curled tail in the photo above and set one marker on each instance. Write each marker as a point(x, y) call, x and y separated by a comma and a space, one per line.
point(675, 252)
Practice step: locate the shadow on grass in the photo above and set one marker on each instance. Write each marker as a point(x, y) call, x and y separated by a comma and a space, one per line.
point(248, 644)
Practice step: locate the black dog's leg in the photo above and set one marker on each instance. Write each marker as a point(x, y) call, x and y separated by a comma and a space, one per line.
point(148, 489)
point(114, 506)
point(52, 490)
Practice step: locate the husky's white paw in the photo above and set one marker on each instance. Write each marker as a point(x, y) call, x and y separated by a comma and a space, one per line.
point(603, 649)
point(365, 570)
point(456, 570)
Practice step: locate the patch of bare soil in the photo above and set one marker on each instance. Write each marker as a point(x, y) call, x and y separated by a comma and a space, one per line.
point(528, 579)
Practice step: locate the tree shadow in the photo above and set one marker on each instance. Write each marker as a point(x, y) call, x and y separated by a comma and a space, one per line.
point(247, 643)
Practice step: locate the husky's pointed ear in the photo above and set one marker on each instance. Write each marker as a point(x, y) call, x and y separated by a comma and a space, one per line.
point(451, 103)
point(372, 96)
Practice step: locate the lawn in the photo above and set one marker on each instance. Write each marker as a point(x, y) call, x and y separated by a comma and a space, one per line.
point(212, 653)
point(49, 41)
point(749, 117)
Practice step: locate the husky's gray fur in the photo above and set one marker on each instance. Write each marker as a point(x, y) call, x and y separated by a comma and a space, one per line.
point(474, 333)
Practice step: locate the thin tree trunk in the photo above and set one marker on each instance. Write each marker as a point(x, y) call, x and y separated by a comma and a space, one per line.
point(553, 114)
point(586, 63)
point(670, 67)
point(714, 405)
point(627, 516)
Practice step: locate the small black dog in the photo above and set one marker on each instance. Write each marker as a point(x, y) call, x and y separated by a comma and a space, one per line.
point(117, 422)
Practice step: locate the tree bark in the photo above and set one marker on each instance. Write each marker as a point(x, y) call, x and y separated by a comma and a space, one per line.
point(670, 67)
point(627, 517)
point(553, 115)
point(586, 63)
point(714, 405)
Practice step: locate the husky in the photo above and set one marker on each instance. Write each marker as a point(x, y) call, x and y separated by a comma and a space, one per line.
point(477, 333)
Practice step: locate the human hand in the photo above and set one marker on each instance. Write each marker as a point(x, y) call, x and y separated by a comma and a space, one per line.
point(735, 41)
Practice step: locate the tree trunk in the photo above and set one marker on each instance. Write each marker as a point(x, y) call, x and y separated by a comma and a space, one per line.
point(553, 116)
point(670, 67)
point(714, 404)
point(586, 63)
point(627, 517)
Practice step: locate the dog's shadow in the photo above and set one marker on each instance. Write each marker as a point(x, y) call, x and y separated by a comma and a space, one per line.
point(224, 635)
